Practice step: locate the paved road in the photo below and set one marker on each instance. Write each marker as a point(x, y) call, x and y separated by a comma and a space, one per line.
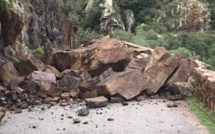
point(145, 117)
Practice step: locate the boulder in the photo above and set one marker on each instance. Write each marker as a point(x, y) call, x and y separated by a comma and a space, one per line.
point(47, 89)
point(110, 51)
point(28, 64)
point(127, 84)
point(68, 82)
point(139, 62)
point(9, 75)
point(183, 72)
point(160, 69)
point(43, 84)
point(88, 94)
point(97, 102)
point(89, 85)
point(53, 70)
point(43, 77)
point(75, 59)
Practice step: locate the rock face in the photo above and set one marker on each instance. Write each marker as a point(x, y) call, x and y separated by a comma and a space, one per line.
point(13, 29)
point(37, 22)
point(111, 18)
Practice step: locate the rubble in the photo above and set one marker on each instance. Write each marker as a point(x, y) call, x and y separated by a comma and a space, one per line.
point(116, 70)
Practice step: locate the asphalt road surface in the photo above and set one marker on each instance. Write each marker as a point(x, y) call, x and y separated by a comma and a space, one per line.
point(145, 117)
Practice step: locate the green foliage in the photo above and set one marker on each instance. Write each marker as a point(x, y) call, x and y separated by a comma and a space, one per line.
point(91, 18)
point(205, 115)
point(122, 35)
point(38, 52)
point(182, 50)
point(84, 37)
point(4, 4)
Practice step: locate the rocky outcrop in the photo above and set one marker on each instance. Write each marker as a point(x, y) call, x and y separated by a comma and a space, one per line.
point(192, 15)
point(37, 22)
point(112, 18)
point(13, 30)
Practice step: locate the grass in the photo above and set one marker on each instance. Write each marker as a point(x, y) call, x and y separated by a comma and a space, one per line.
point(205, 115)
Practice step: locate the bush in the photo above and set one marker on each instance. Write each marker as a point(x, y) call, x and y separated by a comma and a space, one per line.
point(84, 37)
point(6, 4)
point(122, 35)
point(38, 52)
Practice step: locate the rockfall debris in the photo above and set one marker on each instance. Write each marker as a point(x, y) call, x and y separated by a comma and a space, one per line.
point(106, 70)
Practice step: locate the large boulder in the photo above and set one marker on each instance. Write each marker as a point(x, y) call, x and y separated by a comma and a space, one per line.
point(43, 77)
point(43, 84)
point(127, 84)
point(161, 68)
point(183, 72)
point(28, 64)
point(9, 75)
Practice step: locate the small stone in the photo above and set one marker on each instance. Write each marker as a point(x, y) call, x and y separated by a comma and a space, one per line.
point(65, 96)
point(34, 127)
point(86, 122)
point(169, 105)
point(83, 112)
point(24, 106)
point(141, 98)
point(63, 104)
point(175, 105)
point(56, 99)
point(76, 121)
point(70, 117)
point(18, 111)
point(116, 100)
point(110, 119)
point(124, 103)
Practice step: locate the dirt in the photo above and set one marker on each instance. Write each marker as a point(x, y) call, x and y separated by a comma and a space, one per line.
point(147, 116)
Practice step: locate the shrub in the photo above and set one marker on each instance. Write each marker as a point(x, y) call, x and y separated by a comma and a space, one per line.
point(122, 35)
point(38, 52)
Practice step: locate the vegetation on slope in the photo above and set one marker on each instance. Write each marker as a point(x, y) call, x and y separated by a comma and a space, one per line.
point(205, 115)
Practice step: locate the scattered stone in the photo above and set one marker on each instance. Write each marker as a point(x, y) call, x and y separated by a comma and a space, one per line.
point(83, 112)
point(116, 100)
point(110, 119)
point(124, 103)
point(70, 117)
point(63, 104)
point(97, 102)
point(18, 111)
point(34, 127)
point(76, 121)
point(65, 96)
point(171, 105)
point(86, 122)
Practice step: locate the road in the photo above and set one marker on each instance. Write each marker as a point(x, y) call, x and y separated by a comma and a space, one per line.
point(145, 117)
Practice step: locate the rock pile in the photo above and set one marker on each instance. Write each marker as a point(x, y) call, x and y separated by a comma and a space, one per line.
point(105, 67)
